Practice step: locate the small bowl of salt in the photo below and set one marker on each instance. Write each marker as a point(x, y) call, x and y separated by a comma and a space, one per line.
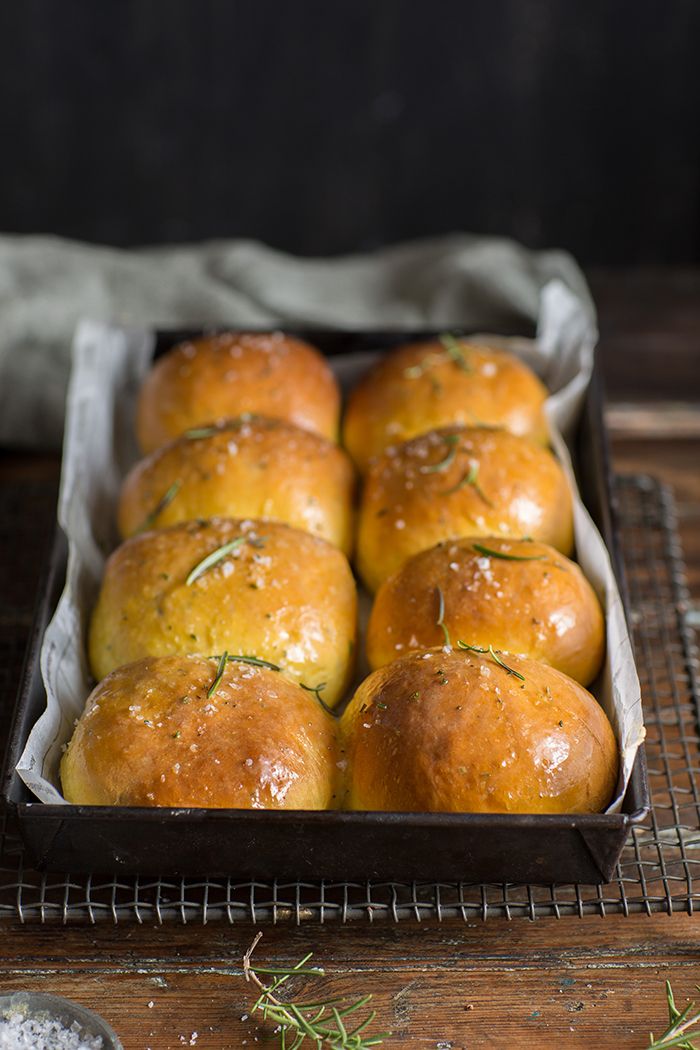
point(33, 1021)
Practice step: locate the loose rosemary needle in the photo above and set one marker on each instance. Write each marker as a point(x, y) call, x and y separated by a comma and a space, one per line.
point(160, 506)
point(219, 675)
point(256, 661)
point(201, 432)
point(493, 653)
point(317, 690)
point(455, 351)
point(481, 549)
point(470, 478)
point(213, 559)
point(451, 440)
point(322, 1023)
point(441, 617)
point(452, 348)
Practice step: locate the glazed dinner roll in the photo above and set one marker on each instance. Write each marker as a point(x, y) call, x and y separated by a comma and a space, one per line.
point(253, 588)
point(455, 482)
point(221, 376)
point(513, 594)
point(424, 386)
point(458, 731)
point(188, 731)
point(248, 468)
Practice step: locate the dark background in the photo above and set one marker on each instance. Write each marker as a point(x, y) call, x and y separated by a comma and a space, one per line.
point(322, 126)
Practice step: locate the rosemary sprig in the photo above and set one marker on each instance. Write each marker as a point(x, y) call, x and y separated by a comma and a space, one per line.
point(219, 675)
point(164, 501)
point(510, 670)
point(317, 690)
point(451, 440)
point(481, 549)
point(213, 559)
point(494, 656)
point(440, 622)
point(322, 1023)
point(256, 661)
point(679, 1022)
point(416, 371)
point(470, 478)
point(453, 348)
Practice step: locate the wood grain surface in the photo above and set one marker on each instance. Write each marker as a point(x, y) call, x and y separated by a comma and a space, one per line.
point(593, 982)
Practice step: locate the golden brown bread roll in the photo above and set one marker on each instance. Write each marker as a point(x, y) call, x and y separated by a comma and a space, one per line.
point(222, 376)
point(163, 732)
point(513, 594)
point(247, 468)
point(424, 386)
point(459, 481)
point(270, 591)
point(456, 731)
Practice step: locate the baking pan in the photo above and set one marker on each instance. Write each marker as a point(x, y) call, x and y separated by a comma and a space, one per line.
point(336, 846)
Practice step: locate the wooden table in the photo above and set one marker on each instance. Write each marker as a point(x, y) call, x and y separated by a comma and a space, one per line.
point(592, 982)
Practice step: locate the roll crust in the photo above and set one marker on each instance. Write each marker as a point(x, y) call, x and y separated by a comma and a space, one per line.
point(279, 594)
point(513, 594)
point(455, 482)
point(222, 376)
point(425, 386)
point(247, 468)
point(456, 732)
point(151, 735)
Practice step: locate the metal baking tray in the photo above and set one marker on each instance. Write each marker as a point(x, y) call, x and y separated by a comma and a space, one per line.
point(331, 845)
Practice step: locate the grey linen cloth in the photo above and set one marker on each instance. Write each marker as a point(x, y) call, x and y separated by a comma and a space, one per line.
point(47, 285)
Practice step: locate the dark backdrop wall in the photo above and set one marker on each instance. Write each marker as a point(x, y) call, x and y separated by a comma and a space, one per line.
point(322, 126)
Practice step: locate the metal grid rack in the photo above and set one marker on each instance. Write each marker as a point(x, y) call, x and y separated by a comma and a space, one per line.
point(659, 870)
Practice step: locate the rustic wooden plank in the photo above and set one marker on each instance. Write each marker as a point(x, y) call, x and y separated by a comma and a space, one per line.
point(402, 945)
point(585, 982)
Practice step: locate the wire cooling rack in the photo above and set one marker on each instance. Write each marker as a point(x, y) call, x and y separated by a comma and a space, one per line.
point(659, 868)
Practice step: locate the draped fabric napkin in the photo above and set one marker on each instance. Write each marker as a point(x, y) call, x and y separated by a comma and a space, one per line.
point(46, 285)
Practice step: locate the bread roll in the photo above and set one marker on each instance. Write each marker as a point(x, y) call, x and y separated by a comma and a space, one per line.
point(249, 468)
point(513, 594)
point(222, 376)
point(272, 592)
point(455, 482)
point(162, 732)
point(424, 386)
point(456, 731)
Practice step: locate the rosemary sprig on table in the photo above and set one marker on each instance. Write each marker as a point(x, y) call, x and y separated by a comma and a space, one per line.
point(440, 622)
point(213, 559)
point(493, 653)
point(489, 553)
point(679, 1022)
point(451, 440)
point(164, 501)
point(322, 1023)
point(470, 478)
